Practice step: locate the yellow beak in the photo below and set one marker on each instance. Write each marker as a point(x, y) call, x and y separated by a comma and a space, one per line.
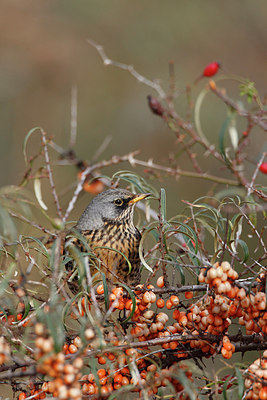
point(138, 197)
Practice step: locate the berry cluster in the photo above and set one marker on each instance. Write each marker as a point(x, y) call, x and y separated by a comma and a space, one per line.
point(124, 352)
point(256, 381)
point(249, 308)
point(221, 277)
point(34, 392)
point(65, 375)
point(105, 381)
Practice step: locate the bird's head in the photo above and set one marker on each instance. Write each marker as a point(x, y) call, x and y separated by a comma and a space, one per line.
point(111, 205)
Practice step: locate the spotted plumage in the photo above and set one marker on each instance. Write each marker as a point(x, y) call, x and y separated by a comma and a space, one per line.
point(107, 224)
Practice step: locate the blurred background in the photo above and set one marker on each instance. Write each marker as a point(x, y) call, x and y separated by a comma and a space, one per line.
point(44, 52)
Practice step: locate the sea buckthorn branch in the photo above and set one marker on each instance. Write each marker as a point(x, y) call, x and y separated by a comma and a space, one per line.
point(175, 122)
point(259, 118)
point(107, 61)
point(252, 342)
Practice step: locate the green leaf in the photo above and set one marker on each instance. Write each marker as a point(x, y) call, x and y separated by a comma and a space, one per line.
point(106, 296)
point(247, 88)
point(234, 226)
point(38, 191)
point(186, 384)
point(137, 181)
point(26, 141)
point(198, 105)
point(245, 249)
point(240, 382)
point(7, 226)
point(141, 247)
point(38, 241)
point(133, 301)
point(163, 204)
point(225, 397)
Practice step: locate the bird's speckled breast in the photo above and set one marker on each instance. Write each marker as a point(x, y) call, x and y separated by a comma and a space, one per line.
point(124, 238)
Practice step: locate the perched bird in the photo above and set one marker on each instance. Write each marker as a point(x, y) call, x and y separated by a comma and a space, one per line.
point(107, 224)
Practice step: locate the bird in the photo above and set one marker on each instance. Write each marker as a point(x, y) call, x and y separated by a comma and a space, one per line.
point(108, 227)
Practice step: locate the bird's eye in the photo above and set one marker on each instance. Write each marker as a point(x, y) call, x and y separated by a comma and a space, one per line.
point(118, 202)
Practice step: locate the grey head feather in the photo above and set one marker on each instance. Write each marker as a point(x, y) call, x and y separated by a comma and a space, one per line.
point(101, 207)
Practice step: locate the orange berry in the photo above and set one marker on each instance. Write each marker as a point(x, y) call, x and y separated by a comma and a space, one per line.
point(146, 297)
point(216, 282)
point(160, 303)
point(93, 187)
point(103, 381)
point(218, 320)
point(100, 289)
point(22, 396)
point(19, 317)
point(112, 297)
point(263, 393)
point(117, 386)
point(118, 291)
point(77, 341)
point(160, 282)
point(91, 377)
point(101, 373)
point(210, 319)
point(104, 391)
point(102, 360)
point(72, 348)
point(188, 295)
point(111, 356)
point(175, 300)
point(88, 388)
point(153, 297)
point(227, 346)
point(128, 304)
point(232, 310)
point(226, 340)
point(183, 320)
point(176, 314)
point(118, 378)
point(226, 354)
point(125, 381)
point(169, 304)
point(241, 294)
point(173, 345)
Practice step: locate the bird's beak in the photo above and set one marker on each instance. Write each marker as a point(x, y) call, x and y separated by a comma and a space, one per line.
point(138, 197)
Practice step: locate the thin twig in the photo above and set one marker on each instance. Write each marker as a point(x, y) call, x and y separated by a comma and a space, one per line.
point(32, 223)
point(258, 120)
point(87, 171)
point(50, 175)
point(254, 176)
point(130, 68)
